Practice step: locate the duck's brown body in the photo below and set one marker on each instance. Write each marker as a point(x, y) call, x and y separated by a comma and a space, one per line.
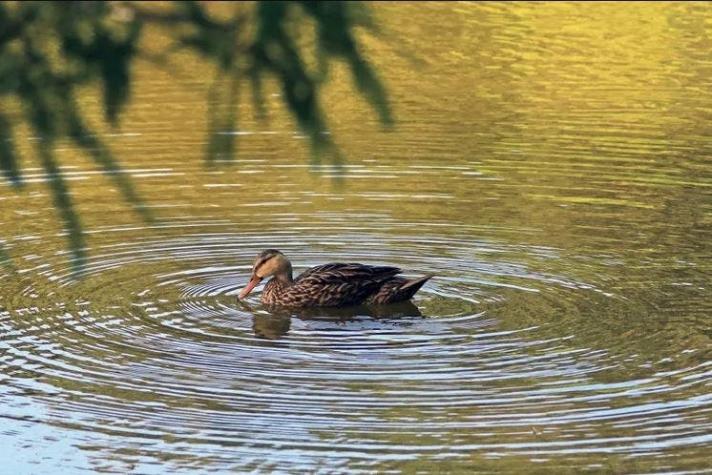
point(338, 285)
point(330, 285)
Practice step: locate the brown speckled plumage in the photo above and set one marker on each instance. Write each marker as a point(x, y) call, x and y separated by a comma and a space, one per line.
point(330, 285)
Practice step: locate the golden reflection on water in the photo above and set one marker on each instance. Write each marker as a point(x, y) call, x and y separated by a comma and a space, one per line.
point(551, 162)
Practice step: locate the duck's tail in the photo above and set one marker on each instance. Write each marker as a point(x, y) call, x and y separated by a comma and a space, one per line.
point(398, 289)
point(410, 288)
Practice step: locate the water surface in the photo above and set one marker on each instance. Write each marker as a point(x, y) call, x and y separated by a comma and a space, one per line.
point(551, 164)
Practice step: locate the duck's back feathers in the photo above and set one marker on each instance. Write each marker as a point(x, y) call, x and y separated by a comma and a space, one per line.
point(337, 273)
point(335, 285)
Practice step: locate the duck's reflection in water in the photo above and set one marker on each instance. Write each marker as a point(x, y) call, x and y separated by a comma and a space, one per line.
point(277, 322)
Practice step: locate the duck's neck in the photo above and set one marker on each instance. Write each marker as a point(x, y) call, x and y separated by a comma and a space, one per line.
point(277, 284)
point(285, 277)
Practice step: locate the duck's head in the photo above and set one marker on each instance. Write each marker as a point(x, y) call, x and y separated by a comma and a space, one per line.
point(268, 263)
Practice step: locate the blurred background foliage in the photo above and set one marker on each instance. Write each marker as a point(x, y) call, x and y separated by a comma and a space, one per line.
point(52, 52)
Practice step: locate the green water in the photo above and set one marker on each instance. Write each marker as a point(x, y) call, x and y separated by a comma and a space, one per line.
point(551, 164)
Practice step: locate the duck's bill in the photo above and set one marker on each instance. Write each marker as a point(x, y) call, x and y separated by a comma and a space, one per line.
point(254, 281)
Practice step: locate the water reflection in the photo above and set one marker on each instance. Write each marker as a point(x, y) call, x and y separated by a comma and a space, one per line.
point(553, 175)
point(277, 322)
point(271, 327)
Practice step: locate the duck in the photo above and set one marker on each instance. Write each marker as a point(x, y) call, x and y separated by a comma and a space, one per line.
point(329, 285)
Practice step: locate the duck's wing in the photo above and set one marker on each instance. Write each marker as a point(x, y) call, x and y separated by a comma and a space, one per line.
point(338, 273)
point(338, 284)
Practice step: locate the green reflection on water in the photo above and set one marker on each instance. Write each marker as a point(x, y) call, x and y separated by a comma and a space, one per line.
point(566, 143)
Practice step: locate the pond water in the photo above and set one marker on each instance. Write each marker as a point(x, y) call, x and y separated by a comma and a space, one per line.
point(551, 164)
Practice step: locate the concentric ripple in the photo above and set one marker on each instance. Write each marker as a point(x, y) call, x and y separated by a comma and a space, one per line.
point(170, 366)
point(551, 167)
